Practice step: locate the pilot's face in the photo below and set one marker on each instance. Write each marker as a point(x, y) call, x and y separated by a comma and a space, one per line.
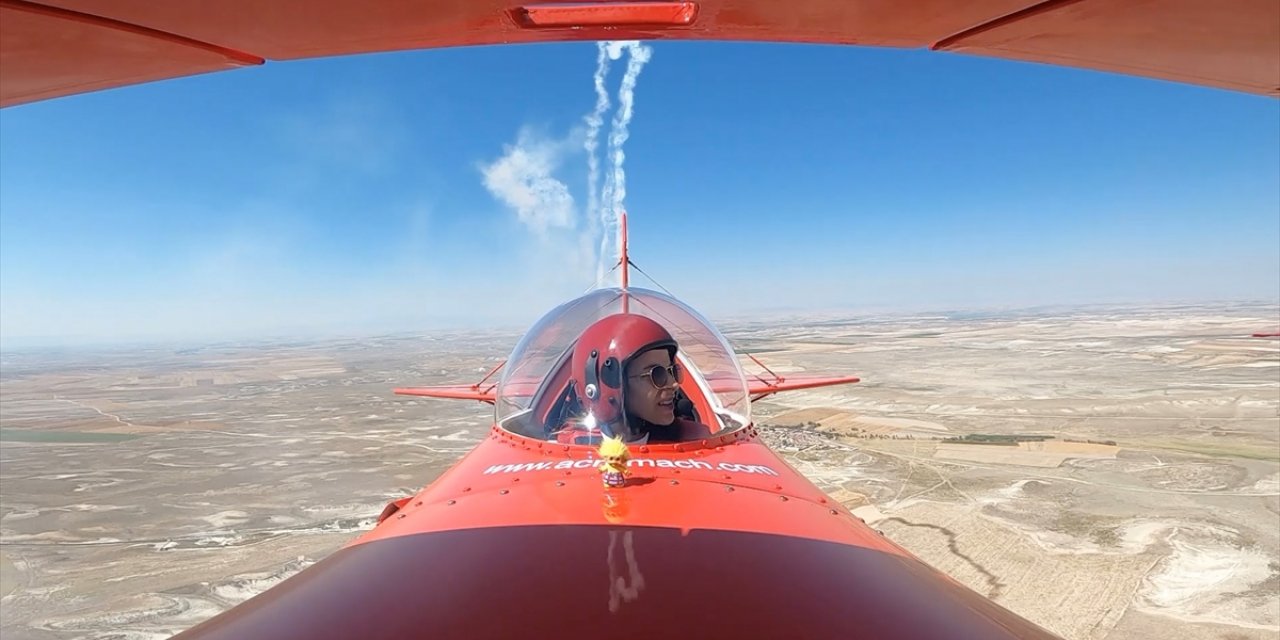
point(644, 399)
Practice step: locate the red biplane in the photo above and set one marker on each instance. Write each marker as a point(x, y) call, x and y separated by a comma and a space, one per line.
point(715, 537)
point(709, 538)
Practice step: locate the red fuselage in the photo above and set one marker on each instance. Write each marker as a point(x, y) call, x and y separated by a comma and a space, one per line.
point(712, 539)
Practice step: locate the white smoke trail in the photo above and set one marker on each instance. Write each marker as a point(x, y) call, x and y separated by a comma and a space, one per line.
point(615, 189)
point(594, 121)
point(523, 179)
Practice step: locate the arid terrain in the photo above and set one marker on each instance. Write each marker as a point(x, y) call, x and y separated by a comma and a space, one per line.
point(1107, 473)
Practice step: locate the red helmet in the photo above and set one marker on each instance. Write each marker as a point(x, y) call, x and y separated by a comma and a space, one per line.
point(600, 360)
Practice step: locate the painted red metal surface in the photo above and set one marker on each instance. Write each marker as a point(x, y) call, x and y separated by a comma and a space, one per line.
point(606, 14)
point(484, 391)
point(520, 537)
point(763, 389)
point(730, 482)
point(616, 581)
point(46, 52)
point(104, 24)
point(449, 392)
point(1231, 45)
point(1168, 39)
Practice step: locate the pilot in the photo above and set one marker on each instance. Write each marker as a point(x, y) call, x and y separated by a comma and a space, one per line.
point(627, 381)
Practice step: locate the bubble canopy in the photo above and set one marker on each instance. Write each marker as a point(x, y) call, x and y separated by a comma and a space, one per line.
point(538, 369)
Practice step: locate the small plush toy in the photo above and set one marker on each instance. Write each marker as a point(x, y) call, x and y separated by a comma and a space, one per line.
point(613, 462)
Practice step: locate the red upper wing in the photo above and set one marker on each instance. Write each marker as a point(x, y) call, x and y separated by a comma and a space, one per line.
point(62, 47)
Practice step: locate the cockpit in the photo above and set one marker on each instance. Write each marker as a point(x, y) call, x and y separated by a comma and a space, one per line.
point(541, 393)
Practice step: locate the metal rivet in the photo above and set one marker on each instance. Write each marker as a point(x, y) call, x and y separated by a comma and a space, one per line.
point(401, 515)
point(515, 479)
point(675, 482)
point(559, 483)
point(782, 498)
point(466, 489)
point(834, 512)
point(452, 502)
point(727, 477)
point(504, 492)
point(728, 488)
point(418, 503)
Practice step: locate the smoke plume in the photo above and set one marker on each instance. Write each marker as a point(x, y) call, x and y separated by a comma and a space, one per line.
point(523, 178)
point(615, 187)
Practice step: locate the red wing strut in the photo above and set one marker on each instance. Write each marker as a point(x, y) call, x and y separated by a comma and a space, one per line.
point(760, 388)
point(452, 392)
point(484, 391)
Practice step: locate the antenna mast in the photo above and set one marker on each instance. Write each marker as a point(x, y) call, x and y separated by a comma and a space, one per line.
point(624, 262)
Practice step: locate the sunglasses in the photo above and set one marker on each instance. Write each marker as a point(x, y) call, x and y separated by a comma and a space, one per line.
point(663, 376)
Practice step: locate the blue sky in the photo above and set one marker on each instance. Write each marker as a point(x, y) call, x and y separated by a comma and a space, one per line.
point(355, 194)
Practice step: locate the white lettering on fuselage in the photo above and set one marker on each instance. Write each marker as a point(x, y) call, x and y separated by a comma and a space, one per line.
point(746, 468)
point(660, 463)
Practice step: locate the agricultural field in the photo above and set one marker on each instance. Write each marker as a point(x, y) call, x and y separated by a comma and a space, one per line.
point(1107, 473)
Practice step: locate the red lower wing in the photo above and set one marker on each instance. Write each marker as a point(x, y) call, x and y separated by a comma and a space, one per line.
point(761, 388)
point(452, 392)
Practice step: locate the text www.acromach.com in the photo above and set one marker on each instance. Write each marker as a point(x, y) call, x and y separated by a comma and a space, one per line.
point(657, 463)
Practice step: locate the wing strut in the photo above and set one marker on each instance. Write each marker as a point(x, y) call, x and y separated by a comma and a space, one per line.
point(484, 391)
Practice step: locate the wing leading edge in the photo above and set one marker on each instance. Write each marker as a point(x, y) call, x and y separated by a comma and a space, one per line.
point(451, 392)
point(760, 388)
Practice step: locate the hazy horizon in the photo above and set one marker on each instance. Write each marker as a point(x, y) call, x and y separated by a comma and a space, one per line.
point(723, 321)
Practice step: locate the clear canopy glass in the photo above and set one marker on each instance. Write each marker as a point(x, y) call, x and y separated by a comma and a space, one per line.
point(537, 370)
